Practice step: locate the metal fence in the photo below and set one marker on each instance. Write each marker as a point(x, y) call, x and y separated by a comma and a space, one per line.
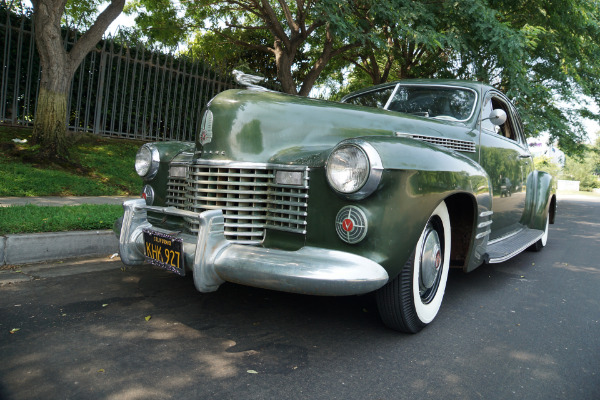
point(119, 90)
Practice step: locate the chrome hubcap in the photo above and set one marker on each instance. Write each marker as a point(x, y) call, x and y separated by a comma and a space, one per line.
point(430, 265)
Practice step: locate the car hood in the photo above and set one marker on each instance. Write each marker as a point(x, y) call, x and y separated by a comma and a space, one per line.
point(264, 126)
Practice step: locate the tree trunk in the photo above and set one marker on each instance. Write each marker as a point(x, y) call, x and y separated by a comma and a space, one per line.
point(58, 67)
point(283, 62)
point(50, 125)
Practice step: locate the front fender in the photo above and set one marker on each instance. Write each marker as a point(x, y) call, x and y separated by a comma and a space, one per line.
point(417, 177)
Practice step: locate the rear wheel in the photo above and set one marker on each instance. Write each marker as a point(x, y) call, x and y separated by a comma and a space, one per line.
point(411, 301)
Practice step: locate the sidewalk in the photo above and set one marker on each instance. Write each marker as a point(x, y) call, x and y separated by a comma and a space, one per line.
point(35, 247)
point(62, 201)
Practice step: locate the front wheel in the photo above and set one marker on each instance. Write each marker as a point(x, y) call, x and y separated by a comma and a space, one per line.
point(411, 301)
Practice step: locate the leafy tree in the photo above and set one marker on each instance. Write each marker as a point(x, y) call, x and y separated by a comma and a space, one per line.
point(544, 55)
point(58, 68)
point(561, 65)
point(300, 37)
point(595, 156)
point(546, 164)
point(581, 170)
point(584, 167)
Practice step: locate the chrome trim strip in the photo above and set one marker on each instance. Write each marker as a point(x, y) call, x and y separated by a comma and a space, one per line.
point(176, 212)
point(250, 165)
point(484, 224)
point(505, 237)
point(389, 101)
point(486, 213)
point(183, 157)
point(483, 234)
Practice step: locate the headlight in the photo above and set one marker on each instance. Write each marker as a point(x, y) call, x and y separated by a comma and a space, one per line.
point(146, 161)
point(354, 169)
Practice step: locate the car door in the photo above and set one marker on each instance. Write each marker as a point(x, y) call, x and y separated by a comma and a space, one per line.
point(506, 158)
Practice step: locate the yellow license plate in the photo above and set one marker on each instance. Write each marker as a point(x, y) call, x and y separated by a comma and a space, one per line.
point(164, 250)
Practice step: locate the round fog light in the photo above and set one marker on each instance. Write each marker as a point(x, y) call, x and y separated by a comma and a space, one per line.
point(351, 224)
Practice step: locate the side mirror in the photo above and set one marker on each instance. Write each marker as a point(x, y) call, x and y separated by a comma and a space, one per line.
point(497, 117)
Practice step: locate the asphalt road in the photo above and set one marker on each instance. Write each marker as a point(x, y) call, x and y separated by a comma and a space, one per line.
point(525, 329)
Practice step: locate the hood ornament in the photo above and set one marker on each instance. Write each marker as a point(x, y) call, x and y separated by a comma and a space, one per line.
point(249, 81)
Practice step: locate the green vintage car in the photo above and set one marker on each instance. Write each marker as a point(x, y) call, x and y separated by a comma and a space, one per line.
point(382, 192)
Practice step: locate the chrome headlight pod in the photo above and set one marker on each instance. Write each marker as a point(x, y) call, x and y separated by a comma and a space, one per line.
point(354, 169)
point(147, 160)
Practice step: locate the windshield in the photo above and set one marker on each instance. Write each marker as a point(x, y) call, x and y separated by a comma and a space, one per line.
point(440, 102)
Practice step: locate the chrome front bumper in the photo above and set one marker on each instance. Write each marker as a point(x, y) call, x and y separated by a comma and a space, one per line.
point(214, 259)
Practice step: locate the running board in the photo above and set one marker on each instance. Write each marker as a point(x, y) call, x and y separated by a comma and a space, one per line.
point(504, 249)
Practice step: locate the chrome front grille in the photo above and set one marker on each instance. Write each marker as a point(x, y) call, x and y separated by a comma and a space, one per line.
point(176, 190)
point(248, 195)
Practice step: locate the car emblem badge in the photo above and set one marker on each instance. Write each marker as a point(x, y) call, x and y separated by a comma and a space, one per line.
point(351, 224)
point(348, 225)
point(206, 128)
point(438, 260)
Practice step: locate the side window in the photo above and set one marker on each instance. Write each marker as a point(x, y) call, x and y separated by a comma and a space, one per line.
point(510, 129)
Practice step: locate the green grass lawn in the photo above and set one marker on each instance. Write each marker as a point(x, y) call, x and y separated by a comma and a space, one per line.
point(99, 167)
point(32, 219)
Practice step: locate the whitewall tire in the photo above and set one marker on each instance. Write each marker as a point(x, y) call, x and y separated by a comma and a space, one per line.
point(411, 301)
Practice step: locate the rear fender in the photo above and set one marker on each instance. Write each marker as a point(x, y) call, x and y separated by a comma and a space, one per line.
point(540, 200)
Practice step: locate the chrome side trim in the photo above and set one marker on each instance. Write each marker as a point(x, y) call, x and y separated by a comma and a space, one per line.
point(483, 234)
point(484, 224)
point(505, 237)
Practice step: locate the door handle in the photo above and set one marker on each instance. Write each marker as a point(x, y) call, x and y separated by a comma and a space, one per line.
point(524, 155)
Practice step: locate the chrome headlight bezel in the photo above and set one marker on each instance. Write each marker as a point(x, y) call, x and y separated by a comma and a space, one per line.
point(147, 161)
point(373, 169)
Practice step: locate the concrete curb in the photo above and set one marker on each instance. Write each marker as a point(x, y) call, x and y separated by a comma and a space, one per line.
point(2, 247)
point(35, 247)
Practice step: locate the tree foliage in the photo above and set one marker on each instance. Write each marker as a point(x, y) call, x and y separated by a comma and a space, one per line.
point(544, 54)
point(561, 66)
